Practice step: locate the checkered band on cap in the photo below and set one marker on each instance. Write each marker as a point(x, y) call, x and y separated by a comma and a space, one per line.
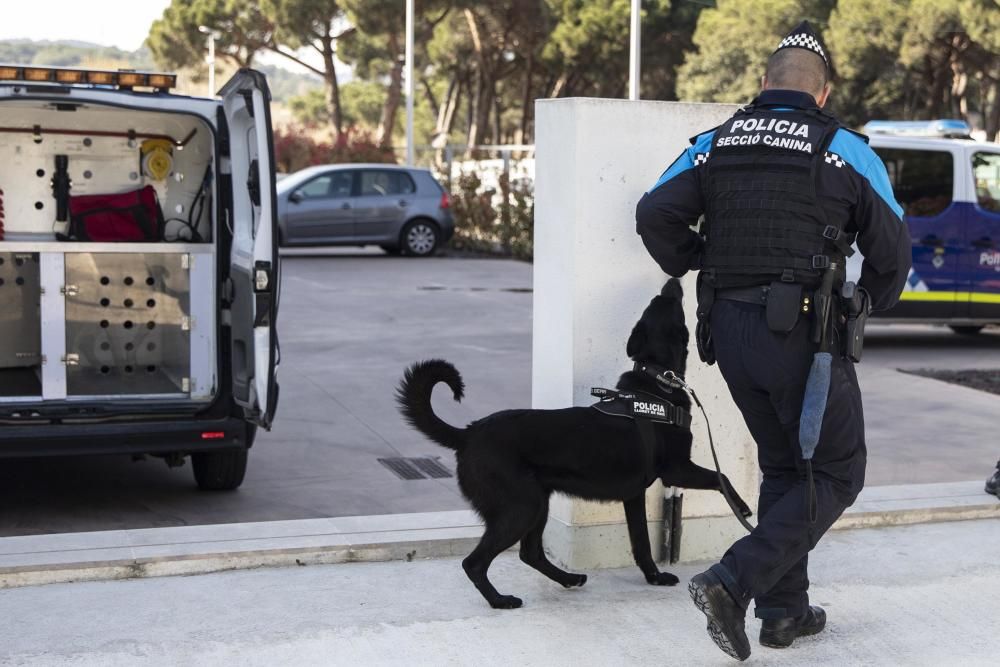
point(803, 41)
point(804, 37)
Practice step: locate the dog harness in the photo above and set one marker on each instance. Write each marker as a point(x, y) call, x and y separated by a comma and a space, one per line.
point(644, 409)
point(639, 405)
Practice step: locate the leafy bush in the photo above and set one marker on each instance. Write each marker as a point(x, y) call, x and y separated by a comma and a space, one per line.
point(295, 149)
point(506, 229)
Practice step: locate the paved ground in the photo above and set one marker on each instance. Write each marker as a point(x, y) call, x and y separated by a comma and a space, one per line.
point(350, 322)
point(925, 430)
point(918, 595)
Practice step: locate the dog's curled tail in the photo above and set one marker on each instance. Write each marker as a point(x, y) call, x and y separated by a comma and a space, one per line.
point(414, 398)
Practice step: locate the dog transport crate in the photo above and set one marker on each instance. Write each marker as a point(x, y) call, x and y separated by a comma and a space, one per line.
point(85, 320)
point(138, 266)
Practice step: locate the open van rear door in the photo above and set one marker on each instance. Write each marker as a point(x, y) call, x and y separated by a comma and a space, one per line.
point(253, 284)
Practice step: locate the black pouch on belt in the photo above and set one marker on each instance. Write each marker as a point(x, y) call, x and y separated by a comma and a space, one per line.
point(784, 303)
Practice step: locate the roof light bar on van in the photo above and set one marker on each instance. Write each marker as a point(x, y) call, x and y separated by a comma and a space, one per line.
point(161, 81)
point(944, 128)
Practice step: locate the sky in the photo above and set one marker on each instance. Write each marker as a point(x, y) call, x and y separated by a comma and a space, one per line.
point(121, 23)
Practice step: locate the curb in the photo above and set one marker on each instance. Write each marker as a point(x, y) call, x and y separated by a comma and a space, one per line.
point(159, 552)
point(882, 506)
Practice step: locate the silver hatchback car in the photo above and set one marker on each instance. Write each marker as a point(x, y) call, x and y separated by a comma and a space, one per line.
point(401, 209)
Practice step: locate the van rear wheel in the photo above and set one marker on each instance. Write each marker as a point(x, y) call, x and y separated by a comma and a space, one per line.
point(220, 471)
point(966, 330)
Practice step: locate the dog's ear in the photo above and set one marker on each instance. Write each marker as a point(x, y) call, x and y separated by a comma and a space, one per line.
point(637, 340)
point(673, 289)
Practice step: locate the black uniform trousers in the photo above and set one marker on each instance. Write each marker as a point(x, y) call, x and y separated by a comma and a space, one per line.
point(766, 373)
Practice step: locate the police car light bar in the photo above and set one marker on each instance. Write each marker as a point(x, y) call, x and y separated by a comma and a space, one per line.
point(945, 129)
point(124, 79)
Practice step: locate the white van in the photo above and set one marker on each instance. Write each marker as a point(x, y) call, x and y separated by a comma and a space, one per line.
point(949, 188)
point(138, 268)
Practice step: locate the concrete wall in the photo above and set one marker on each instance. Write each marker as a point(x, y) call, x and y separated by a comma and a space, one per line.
point(593, 278)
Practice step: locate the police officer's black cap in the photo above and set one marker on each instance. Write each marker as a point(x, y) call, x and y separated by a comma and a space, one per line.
point(803, 36)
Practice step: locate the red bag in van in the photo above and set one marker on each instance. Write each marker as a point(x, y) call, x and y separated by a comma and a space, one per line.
point(130, 216)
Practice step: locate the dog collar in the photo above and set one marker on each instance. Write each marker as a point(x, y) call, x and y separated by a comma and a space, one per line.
point(665, 378)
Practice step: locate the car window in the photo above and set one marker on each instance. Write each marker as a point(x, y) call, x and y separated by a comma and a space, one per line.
point(922, 180)
point(335, 184)
point(384, 182)
point(986, 172)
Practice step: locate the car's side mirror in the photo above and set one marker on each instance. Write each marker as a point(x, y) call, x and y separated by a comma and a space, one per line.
point(295, 197)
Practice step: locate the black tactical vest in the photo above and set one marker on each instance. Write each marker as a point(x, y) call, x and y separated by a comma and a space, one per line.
point(763, 219)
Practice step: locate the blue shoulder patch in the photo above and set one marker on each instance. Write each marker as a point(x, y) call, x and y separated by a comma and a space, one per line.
point(856, 152)
point(692, 156)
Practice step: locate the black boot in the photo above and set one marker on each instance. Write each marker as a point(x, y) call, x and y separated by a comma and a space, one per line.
point(726, 619)
point(781, 632)
point(993, 483)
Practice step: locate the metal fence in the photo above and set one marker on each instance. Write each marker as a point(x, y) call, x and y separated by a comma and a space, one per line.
point(489, 162)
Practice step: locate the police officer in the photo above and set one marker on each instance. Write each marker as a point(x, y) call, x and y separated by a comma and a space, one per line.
point(785, 191)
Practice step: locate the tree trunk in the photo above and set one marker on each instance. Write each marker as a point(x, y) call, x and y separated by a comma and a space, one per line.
point(447, 108)
point(333, 88)
point(482, 92)
point(498, 121)
point(431, 98)
point(992, 117)
point(527, 105)
point(559, 86)
point(392, 98)
point(480, 105)
point(481, 117)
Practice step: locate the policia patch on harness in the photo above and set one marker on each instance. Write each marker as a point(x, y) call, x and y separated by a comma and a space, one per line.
point(639, 405)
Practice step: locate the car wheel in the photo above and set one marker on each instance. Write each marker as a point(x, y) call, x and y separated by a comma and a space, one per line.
point(971, 330)
point(390, 250)
point(220, 471)
point(419, 238)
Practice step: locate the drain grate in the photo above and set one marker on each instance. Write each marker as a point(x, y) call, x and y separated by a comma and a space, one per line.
point(416, 468)
point(432, 468)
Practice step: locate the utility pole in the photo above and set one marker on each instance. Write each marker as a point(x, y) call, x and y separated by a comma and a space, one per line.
point(210, 59)
point(409, 83)
point(634, 56)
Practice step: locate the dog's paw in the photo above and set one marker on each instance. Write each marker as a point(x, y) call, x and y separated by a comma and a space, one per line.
point(506, 602)
point(663, 579)
point(575, 581)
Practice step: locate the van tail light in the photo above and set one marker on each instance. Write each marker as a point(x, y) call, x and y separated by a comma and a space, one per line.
point(445, 201)
point(213, 435)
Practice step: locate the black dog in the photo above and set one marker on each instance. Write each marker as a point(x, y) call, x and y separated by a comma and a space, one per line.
point(510, 462)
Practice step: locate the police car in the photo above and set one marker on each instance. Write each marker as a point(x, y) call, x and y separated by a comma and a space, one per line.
point(138, 268)
point(949, 188)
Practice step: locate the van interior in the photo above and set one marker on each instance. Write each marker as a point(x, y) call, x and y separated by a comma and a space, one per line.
point(107, 219)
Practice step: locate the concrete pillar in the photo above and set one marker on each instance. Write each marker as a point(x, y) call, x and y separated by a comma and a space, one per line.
point(593, 278)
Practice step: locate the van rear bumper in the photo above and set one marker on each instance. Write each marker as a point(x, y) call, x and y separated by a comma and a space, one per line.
point(132, 437)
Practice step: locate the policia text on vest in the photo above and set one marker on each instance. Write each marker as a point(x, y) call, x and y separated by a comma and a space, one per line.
point(785, 190)
point(768, 132)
